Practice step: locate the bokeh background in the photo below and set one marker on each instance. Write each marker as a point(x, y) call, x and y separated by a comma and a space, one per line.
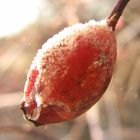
point(24, 26)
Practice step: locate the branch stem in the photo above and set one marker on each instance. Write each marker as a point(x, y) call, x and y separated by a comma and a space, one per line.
point(116, 12)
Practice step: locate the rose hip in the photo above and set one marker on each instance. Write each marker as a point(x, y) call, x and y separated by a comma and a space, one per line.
point(70, 73)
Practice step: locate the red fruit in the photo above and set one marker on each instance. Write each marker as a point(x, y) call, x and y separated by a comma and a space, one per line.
point(70, 73)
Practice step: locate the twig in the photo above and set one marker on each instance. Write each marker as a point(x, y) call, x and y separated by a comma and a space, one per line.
point(115, 14)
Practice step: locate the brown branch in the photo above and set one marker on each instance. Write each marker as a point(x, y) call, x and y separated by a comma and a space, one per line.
point(115, 14)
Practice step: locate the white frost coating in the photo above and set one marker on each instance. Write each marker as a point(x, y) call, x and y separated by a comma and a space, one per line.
point(26, 104)
point(93, 23)
point(38, 100)
point(60, 104)
point(35, 115)
point(63, 37)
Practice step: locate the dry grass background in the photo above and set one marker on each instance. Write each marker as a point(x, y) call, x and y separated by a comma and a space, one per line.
point(115, 117)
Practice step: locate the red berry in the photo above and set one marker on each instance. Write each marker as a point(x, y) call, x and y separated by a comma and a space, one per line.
point(70, 73)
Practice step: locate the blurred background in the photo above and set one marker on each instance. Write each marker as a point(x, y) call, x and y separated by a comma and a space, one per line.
point(24, 26)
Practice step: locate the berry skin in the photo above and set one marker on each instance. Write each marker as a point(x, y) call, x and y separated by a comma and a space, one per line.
point(70, 73)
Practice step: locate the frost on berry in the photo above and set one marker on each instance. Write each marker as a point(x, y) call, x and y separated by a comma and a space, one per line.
point(70, 73)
